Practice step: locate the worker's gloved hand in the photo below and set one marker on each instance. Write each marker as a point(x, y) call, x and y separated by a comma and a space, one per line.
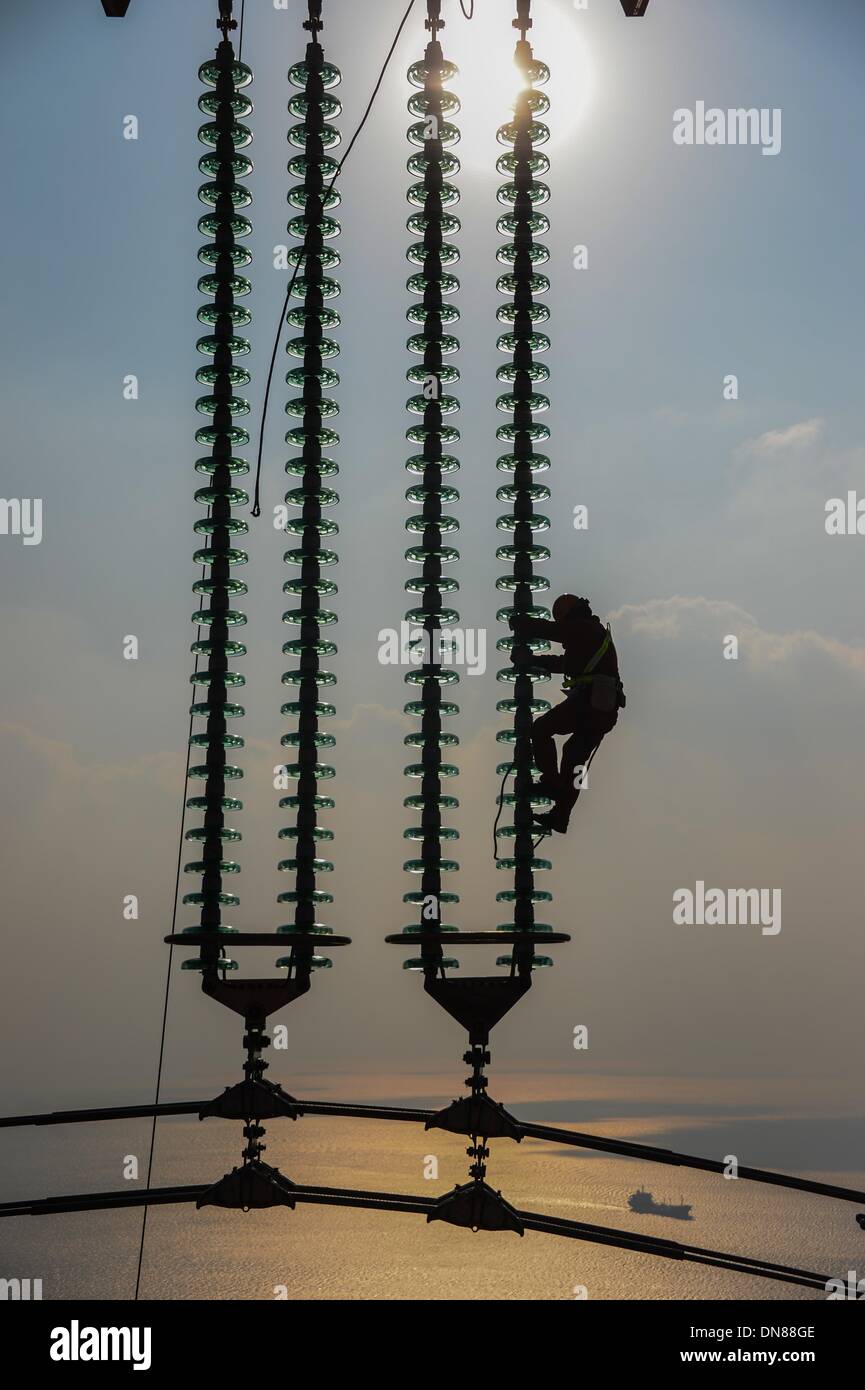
point(521, 654)
point(519, 623)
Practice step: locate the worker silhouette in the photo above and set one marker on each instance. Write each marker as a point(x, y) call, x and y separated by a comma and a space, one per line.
point(594, 696)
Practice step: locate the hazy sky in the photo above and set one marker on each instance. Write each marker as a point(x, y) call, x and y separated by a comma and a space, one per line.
point(706, 518)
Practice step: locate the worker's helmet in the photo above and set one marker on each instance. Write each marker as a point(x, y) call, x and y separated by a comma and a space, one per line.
point(569, 606)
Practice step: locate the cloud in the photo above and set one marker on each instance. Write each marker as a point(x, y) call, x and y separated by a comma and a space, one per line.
point(693, 618)
point(777, 443)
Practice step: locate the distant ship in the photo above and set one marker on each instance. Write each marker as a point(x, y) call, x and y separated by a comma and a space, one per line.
point(645, 1204)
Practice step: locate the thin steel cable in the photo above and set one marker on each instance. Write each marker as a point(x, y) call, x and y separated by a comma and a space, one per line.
point(256, 506)
point(170, 959)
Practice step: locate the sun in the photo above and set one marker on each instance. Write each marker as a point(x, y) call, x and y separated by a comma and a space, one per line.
point(488, 82)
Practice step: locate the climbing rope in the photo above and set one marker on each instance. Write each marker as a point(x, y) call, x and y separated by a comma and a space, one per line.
point(315, 136)
point(523, 193)
point(256, 504)
point(433, 196)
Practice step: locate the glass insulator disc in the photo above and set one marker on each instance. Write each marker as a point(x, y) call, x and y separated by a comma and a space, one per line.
point(299, 135)
point(207, 557)
point(418, 554)
point(328, 318)
point(508, 342)
point(297, 677)
point(420, 740)
point(418, 524)
point(326, 467)
point(421, 374)
point(418, 708)
point(538, 253)
point(448, 193)
point(324, 618)
point(326, 408)
point(210, 223)
point(211, 193)
point(417, 866)
point(328, 287)
point(208, 405)
point(419, 434)
point(209, 134)
point(299, 103)
point(303, 740)
point(209, 435)
point(534, 432)
point(417, 405)
point(208, 376)
point(212, 284)
point(537, 131)
point(415, 897)
point(299, 165)
point(508, 224)
point(325, 258)
point(323, 436)
point(419, 493)
point(318, 866)
point(295, 708)
point(418, 464)
point(297, 197)
point(209, 104)
point(448, 313)
point(325, 496)
point(536, 372)
point(418, 803)
point(536, 553)
point(303, 586)
point(225, 586)
point(420, 104)
point(230, 616)
point(240, 166)
point(296, 347)
point(418, 223)
point(233, 525)
point(443, 71)
point(536, 403)
point(509, 283)
point(446, 343)
point(447, 254)
point(238, 347)
point(300, 646)
point(328, 226)
point(298, 377)
point(507, 164)
point(538, 313)
point(298, 75)
point(208, 313)
point(210, 72)
point(537, 493)
point(537, 193)
point(442, 584)
point(299, 557)
point(448, 284)
point(448, 134)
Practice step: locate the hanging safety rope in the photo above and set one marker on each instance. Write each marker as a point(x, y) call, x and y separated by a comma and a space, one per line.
point(224, 223)
point(433, 130)
point(524, 194)
point(314, 135)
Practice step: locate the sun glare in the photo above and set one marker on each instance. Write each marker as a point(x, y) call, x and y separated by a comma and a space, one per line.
point(488, 82)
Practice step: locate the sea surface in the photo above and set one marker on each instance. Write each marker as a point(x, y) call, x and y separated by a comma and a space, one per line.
point(332, 1253)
